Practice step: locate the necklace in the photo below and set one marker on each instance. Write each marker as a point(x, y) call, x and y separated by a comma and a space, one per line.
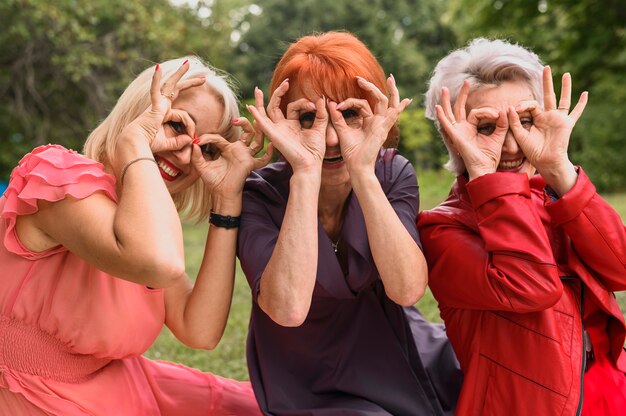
point(335, 245)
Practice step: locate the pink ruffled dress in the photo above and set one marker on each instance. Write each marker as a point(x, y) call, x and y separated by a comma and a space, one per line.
point(71, 336)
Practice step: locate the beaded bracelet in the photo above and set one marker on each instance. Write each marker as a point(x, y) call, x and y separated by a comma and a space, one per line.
point(126, 166)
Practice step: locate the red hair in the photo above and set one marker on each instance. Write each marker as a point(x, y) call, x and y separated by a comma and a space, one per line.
point(328, 63)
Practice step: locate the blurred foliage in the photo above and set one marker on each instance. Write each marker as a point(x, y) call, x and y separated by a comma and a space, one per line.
point(583, 37)
point(64, 63)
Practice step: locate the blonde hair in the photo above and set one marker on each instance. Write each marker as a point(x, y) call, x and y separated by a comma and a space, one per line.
point(194, 202)
point(482, 62)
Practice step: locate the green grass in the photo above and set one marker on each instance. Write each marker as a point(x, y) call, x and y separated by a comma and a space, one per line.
point(228, 359)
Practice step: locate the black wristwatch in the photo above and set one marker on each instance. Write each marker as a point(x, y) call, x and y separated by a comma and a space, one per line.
point(224, 221)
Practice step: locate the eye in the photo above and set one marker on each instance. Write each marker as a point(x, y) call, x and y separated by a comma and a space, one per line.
point(349, 114)
point(527, 122)
point(209, 150)
point(179, 128)
point(486, 129)
point(306, 120)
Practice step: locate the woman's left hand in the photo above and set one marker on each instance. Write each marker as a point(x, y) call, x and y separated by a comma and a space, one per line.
point(545, 143)
point(361, 131)
point(225, 171)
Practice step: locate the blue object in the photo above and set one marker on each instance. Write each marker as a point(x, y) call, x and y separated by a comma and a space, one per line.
point(3, 187)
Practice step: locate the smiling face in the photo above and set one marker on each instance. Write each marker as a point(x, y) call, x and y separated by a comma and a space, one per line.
point(501, 97)
point(206, 111)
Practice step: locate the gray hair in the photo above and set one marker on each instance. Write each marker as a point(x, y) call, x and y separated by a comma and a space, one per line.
point(482, 62)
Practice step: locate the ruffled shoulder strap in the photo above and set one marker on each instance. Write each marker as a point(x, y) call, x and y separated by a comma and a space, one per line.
point(50, 173)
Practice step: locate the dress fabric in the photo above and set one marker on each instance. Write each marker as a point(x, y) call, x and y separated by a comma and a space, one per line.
point(71, 336)
point(519, 278)
point(356, 353)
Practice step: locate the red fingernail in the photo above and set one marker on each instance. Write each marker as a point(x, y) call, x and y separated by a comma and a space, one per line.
point(156, 67)
point(234, 120)
point(186, 60)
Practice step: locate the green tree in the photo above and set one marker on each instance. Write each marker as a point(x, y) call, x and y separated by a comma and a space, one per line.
point(406, 36)
point(64, 63)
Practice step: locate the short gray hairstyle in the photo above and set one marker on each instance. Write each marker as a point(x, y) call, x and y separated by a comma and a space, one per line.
point(482, 62)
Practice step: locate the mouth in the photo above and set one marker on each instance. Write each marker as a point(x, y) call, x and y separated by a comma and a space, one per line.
point(168, 171)
point(510, 165)
point(333, 160)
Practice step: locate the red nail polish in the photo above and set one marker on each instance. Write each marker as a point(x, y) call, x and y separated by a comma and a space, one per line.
point(186, 60)
point(234, 120)
point(156, 67)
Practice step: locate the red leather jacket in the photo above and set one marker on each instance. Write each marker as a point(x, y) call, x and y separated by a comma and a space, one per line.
point(508, 267)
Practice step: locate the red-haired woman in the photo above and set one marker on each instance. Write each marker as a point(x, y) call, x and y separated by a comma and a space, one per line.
point(330, 248)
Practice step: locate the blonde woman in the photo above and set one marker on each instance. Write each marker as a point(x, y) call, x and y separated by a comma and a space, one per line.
point(92, 255)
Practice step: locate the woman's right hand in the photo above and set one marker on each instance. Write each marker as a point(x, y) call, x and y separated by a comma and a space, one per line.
point(148, 127)
point(477, 137)
point(303, 147)
point(225, 172)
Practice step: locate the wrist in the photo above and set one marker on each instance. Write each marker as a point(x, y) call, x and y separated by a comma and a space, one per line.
point(363, 180)
point(561, 178)
point(128, 149)
point(226, 205)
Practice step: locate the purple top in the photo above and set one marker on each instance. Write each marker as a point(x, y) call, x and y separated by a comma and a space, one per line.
point(355, 353)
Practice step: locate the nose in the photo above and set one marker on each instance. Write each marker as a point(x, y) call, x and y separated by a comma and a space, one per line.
point(510, 146)
point(332, 139)
point(183, 155)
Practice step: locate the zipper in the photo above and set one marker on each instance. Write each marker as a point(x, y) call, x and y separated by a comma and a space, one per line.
point(583, 334)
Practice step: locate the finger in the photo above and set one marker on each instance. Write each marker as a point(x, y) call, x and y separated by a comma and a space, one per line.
point(182, 116)
point(175, 143)
point(197, 157)
point(257, 144)
point(394, 99)
point(580, 106)
point(169, 86)
point(531, 106)
point(321, 116)
point(483, 113)
point(246, 127)
point(273, 107)
point(381, 99)
point(502, 123)
point(264, 123)
point(549, 98)
point(445, 123)
point(216, 140)
point(445, 105)
point(461, 99)
point(265, 159)
point(362, 106)
point(296, 108)
point(190, 83)
point(519, 132)
point(404, 104)
point(155, 93)
point(258, 101)
point(336, 117)
point(566, 93)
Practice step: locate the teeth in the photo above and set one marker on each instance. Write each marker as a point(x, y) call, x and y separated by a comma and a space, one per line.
point(510, 164)
point(333, 159)
point(165, 168)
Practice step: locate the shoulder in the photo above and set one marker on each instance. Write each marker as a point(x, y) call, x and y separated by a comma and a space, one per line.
point(268, 185)
point(391, 167)
point(52, 173)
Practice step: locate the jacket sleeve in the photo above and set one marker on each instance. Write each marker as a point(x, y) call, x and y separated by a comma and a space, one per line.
point(506, 264)
point(595, 229)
